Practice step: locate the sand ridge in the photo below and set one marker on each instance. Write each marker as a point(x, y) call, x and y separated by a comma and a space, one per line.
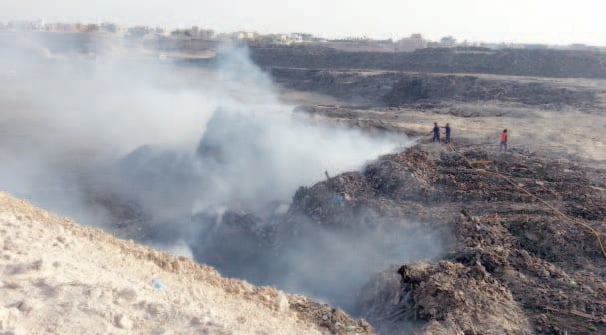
point(62, 278)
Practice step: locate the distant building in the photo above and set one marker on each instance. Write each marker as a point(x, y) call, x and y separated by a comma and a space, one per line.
point(194, 33)
point(112, 28)
point(352, 39)
point(139, 31)
point(245, 36)
point(206, 34)
point(300, 37)
point(223, 37)
point(448, 42)
point(411, 43)
point(86, 27)
point(58, 27)
point(24, 25)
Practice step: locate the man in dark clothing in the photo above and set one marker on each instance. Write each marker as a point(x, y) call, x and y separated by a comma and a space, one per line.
point(436, 132)
point(447, 133)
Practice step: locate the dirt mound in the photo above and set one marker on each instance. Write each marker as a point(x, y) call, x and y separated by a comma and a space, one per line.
point(58, 277)
point(525, 256)
point(469, 88)
point(397, 89)
point(523, 261)
point(459, 299)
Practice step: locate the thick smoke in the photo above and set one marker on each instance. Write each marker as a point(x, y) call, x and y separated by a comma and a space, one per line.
point(162, 152)
point(81, 113)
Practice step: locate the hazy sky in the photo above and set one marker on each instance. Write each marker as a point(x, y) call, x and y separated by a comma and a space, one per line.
point(546, 21)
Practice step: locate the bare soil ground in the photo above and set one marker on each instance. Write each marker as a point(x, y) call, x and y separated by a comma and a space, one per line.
point(62, 278)
point(564, 117)
point(520, 62)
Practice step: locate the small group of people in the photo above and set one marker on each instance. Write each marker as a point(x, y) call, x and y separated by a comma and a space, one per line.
point(447, 133)
point(436, 133)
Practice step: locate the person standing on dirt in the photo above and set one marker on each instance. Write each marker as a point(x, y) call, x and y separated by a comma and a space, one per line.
point(436, 133)
point(503, 141)
point(447, 133)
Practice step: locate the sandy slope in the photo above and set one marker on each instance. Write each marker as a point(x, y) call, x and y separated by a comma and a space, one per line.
point(61, 278)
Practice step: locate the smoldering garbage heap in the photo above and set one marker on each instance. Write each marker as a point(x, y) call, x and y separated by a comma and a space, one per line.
point(519, 263)
point(524, 259)
point(522, 254)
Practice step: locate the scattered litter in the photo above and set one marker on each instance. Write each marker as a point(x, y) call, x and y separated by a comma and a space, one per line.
point(158, 284)
point(337, 199)
point(350, 329)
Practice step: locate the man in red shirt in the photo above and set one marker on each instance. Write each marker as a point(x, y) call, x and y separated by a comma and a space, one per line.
point(503, 141)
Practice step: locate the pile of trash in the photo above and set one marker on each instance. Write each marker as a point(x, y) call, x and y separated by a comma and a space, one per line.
point(527, 256)
point(479, 243)
point(378, 189)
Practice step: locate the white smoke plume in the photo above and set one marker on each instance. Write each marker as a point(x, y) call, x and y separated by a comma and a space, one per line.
point(66, 114)
point(118, 137)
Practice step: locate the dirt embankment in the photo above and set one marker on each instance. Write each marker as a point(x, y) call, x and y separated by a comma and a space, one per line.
point(61, 278)
point(519, 62)
point(397, 89)
point(525, 259)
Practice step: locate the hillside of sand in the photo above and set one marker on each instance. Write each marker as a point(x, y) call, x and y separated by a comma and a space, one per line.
point(62, 278)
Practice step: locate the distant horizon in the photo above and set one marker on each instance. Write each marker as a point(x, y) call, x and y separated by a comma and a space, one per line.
point(394, 39)
point(555, 23)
